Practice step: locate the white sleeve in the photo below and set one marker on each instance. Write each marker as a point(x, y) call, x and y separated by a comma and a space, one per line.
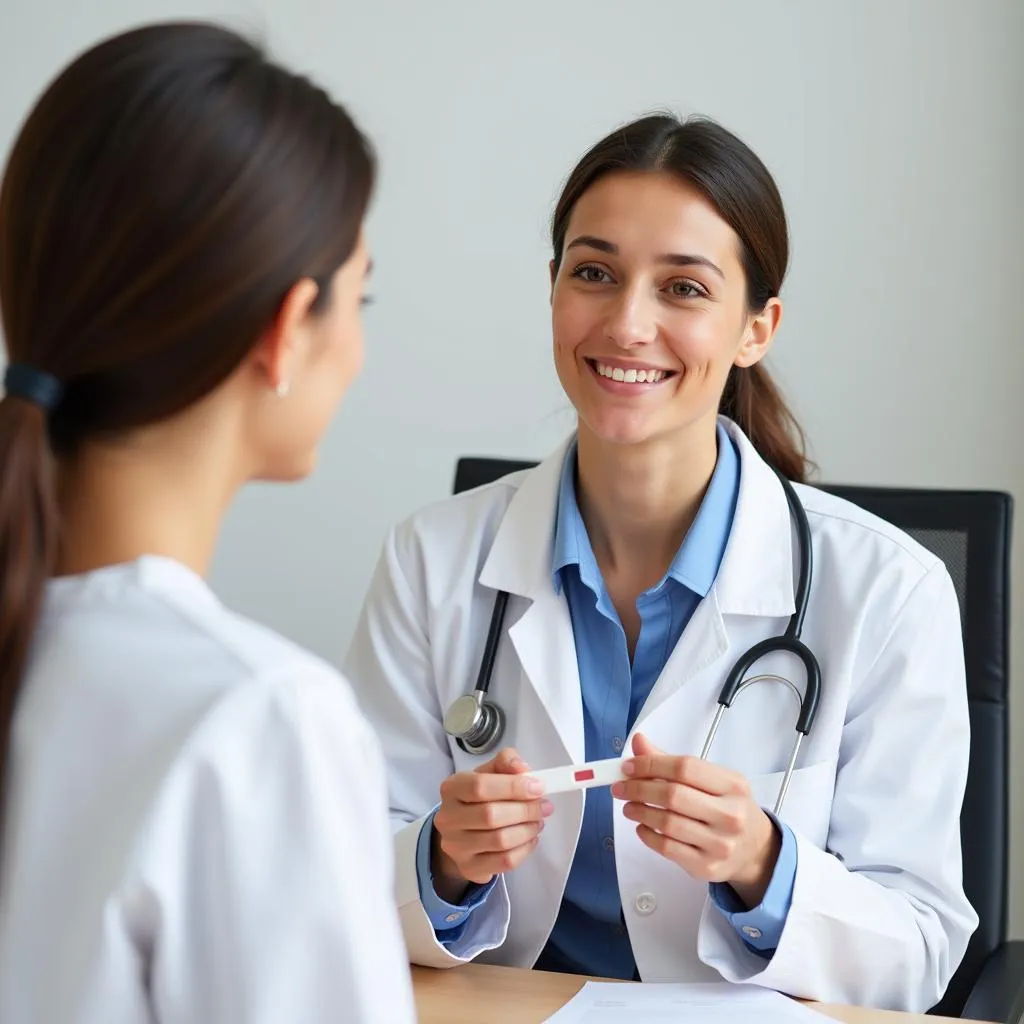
point(269, 866)
point(882, 920)
point(390, 664)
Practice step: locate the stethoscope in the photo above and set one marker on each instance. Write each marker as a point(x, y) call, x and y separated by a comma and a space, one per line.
point(477, 723)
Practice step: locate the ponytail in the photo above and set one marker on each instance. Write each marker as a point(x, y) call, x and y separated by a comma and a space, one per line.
point(28, 545)
point(755, 403)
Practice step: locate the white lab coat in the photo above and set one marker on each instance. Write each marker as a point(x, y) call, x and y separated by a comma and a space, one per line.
point(879, 916)
point(195, 826)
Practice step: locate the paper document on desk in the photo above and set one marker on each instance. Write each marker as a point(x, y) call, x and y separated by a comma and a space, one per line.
point(600, 1002)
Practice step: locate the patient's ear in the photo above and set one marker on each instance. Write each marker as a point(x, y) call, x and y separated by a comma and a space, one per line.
point(276, 352)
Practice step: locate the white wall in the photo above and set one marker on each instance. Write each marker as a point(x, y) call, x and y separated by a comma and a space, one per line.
point(894, 129)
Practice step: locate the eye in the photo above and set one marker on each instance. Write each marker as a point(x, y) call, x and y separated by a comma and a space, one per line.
point(684, 289)
point(591, 273)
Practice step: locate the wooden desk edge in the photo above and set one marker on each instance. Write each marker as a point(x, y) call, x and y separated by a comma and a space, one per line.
point(450, 995)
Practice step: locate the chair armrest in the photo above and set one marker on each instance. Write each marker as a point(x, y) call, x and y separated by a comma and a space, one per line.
point(998, 994)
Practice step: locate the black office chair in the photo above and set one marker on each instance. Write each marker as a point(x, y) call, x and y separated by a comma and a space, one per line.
point(970, 532)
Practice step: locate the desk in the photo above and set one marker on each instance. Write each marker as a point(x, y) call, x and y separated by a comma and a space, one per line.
point(482, 994)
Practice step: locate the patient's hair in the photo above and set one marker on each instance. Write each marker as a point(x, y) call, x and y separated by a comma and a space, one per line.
point(165, 194)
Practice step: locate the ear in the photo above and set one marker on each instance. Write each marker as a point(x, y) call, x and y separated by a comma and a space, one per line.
point(759, 334)
point(276, 353)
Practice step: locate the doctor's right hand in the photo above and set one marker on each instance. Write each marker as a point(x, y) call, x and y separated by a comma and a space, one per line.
point(489, 822)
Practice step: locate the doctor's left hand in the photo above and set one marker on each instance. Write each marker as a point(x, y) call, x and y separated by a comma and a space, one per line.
point(701, 816)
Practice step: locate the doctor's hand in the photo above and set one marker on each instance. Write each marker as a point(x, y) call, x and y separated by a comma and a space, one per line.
point(488, 823)
point(701, 816)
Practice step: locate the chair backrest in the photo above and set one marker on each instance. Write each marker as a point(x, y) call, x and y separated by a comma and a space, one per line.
point(970, 531)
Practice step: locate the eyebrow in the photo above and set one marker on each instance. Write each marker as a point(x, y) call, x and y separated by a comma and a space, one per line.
point(675, 258)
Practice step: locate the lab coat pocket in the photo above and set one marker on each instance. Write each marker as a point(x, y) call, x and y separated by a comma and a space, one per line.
point(807, 808)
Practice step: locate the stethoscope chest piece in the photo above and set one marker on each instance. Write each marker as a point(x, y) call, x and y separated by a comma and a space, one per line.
point(475, 722)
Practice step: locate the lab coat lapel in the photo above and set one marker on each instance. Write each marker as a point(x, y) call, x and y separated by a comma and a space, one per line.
point(704, 641)
point(755, 579)
point(756, 575)
point(543, 639)
point(520, 563)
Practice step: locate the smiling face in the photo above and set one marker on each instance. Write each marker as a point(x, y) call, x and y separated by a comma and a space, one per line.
point(650, 309)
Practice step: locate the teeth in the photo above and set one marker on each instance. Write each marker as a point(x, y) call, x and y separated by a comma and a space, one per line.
point(630, 376)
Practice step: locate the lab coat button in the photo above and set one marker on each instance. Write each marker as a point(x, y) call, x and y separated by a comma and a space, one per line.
point(751, 932)
point(617, 744)
point(609, 843)
point(645, 903)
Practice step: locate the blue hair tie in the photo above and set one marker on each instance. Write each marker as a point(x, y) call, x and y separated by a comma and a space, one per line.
point(42, 389)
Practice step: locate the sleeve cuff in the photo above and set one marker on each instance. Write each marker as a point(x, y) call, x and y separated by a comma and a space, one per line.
point(447, 919)
point(761, 928)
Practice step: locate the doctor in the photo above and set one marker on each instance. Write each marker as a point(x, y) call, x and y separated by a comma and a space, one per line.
point(194, 810)
point(641, 559)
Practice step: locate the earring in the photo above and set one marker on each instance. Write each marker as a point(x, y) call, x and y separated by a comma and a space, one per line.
point(282, 389)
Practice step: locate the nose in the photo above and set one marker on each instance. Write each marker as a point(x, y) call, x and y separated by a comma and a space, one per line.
point(632, 318)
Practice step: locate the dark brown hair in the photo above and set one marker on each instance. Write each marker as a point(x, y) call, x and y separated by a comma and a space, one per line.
point(165, 194)
point(735, 181)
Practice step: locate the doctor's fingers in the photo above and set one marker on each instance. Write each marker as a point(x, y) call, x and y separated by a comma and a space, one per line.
point(490, 816)
point(483, 867)
point(477, 787)
point(726, 814)
point(687, 771)
point(463, 846)
point(695, 861)
point(506, 762)
point(705, 853)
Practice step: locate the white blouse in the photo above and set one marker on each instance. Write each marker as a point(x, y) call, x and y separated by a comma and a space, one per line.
point(196, 821)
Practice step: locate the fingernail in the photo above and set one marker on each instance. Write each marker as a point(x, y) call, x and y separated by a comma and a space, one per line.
point(619, 789)
point(546, 808)
point(519, 765)
point(628, 768)
point(536, 787)
point(540, 826)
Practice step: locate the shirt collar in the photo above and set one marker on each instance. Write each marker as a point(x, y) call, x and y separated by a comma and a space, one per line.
point(699, 557)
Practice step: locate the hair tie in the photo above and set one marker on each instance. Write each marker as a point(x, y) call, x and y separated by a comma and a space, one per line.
point(42, 389)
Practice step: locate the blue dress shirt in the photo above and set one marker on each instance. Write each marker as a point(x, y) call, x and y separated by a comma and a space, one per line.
point(590, 936)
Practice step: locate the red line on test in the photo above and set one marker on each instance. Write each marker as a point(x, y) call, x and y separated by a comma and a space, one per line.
point(583, 775)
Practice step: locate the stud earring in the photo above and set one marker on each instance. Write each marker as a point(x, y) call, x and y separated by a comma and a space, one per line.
point(282, 389)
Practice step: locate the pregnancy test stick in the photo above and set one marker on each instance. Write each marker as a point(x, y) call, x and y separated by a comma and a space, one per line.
point(580, 776)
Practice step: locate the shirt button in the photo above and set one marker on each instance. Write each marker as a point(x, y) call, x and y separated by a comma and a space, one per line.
point(751, 932)
point(617, 744)
point(452, 918)
point(609, 843)
point(645, 903)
